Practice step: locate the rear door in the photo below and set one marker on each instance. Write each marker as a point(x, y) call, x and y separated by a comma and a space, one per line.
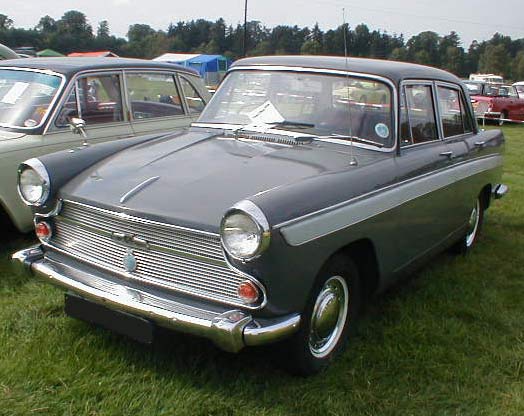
point(155, 102)
point(458, 131)
point(422, 172)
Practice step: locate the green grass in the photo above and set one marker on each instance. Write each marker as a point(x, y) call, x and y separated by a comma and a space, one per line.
point(449, 341)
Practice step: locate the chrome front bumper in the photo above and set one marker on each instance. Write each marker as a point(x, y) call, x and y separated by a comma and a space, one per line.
point(231, 330)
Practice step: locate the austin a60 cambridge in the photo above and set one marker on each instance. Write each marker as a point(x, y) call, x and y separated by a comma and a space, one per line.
point(307, 184)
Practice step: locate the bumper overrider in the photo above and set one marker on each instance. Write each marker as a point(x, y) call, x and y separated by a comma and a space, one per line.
point(230, 330)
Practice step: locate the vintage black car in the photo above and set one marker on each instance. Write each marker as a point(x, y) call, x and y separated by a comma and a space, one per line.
point(307, 184)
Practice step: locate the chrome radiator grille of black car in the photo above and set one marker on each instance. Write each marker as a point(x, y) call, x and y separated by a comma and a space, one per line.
point(187, 261)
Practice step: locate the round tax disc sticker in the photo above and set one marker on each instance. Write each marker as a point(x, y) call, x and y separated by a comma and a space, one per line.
point(382, 130)
point(30, 123)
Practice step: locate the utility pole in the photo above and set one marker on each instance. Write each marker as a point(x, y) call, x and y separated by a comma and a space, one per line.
point(245, 28)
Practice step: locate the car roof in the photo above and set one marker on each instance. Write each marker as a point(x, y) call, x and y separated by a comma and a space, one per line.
point(395, 71)
point(70, 66)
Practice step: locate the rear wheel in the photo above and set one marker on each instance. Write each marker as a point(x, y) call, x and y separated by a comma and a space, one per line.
point(328, 319)
point(475, 220)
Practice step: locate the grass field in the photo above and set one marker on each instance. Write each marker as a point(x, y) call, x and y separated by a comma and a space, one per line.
point(449, 341)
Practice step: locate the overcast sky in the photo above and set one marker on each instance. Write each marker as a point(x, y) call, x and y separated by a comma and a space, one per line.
point(472, 19)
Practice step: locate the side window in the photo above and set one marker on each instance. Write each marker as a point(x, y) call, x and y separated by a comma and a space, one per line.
point(420, 113)
point(455, 120)
point(100, 99)
point(194, 101)
point(153, 95)
point(513, 92)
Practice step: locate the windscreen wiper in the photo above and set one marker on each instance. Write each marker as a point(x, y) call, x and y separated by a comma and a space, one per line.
point(352, 138)
point(290, 123)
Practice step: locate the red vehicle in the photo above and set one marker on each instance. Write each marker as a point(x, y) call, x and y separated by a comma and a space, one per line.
point(496, 102)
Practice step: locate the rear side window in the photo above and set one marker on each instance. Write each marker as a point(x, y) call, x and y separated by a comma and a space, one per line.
point(195, 103)
point(455, 120)
point(418, 122)
point(153, 95)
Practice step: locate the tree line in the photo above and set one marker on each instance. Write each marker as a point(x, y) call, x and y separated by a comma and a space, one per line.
point(72, 32)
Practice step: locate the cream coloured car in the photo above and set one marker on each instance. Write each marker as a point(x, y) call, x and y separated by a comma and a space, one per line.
point(115, 98)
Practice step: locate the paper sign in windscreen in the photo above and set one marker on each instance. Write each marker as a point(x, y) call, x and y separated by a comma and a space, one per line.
point(15, 92)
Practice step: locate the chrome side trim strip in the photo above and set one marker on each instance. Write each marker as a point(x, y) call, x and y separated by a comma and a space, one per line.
point(329, 220)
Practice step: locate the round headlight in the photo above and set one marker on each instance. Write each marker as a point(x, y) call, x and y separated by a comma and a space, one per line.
point(245, 231)
point(33, 183)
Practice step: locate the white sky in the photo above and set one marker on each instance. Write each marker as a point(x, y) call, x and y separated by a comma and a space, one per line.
point(472, 19)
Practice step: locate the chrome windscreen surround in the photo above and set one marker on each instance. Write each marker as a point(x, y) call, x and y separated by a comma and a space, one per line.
point(179, 259)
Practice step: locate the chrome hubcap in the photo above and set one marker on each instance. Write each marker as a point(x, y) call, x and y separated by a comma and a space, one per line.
point(329, 316)
point(473, 224)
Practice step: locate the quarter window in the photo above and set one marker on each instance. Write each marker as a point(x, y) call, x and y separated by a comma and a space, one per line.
point(195, 103)
point(153, 95)
point(455, 120)
point(418, 123)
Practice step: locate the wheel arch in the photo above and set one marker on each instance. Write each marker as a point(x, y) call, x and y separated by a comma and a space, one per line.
point(363, 254)
point(5, 216)
point(485, 195)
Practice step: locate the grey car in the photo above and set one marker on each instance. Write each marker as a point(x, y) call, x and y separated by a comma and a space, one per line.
point(277, 214)
point(112, 98)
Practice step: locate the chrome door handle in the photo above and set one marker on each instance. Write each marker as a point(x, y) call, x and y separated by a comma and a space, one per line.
point(480, 144)
point(448, 154)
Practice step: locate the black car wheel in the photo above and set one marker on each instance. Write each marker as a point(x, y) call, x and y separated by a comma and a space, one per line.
point(329, 318)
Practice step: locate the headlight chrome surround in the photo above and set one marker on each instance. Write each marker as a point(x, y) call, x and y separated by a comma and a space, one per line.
point(252, 213)
point(39, 169)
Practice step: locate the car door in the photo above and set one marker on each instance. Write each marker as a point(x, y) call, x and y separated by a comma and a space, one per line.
point(458, 131)
point(96, 98)
point(517, 105)
point(155, 102)
point(422, 173)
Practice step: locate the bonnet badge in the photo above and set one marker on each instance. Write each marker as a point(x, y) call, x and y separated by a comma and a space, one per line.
point(129, 261)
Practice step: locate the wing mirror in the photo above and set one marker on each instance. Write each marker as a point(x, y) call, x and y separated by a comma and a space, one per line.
point(78, 126)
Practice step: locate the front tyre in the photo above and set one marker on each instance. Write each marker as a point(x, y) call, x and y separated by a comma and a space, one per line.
point(328, 319)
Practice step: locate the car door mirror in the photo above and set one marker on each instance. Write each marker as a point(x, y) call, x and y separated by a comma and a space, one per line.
point(78, 126)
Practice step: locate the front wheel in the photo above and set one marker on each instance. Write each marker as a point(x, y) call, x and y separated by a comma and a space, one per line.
point(328, 319)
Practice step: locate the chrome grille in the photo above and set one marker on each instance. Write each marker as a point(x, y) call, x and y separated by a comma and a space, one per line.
point(179, 259)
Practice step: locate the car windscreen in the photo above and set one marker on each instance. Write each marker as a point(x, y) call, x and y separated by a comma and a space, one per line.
point(474, 88)
point(25, 97)
point(313, 103)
